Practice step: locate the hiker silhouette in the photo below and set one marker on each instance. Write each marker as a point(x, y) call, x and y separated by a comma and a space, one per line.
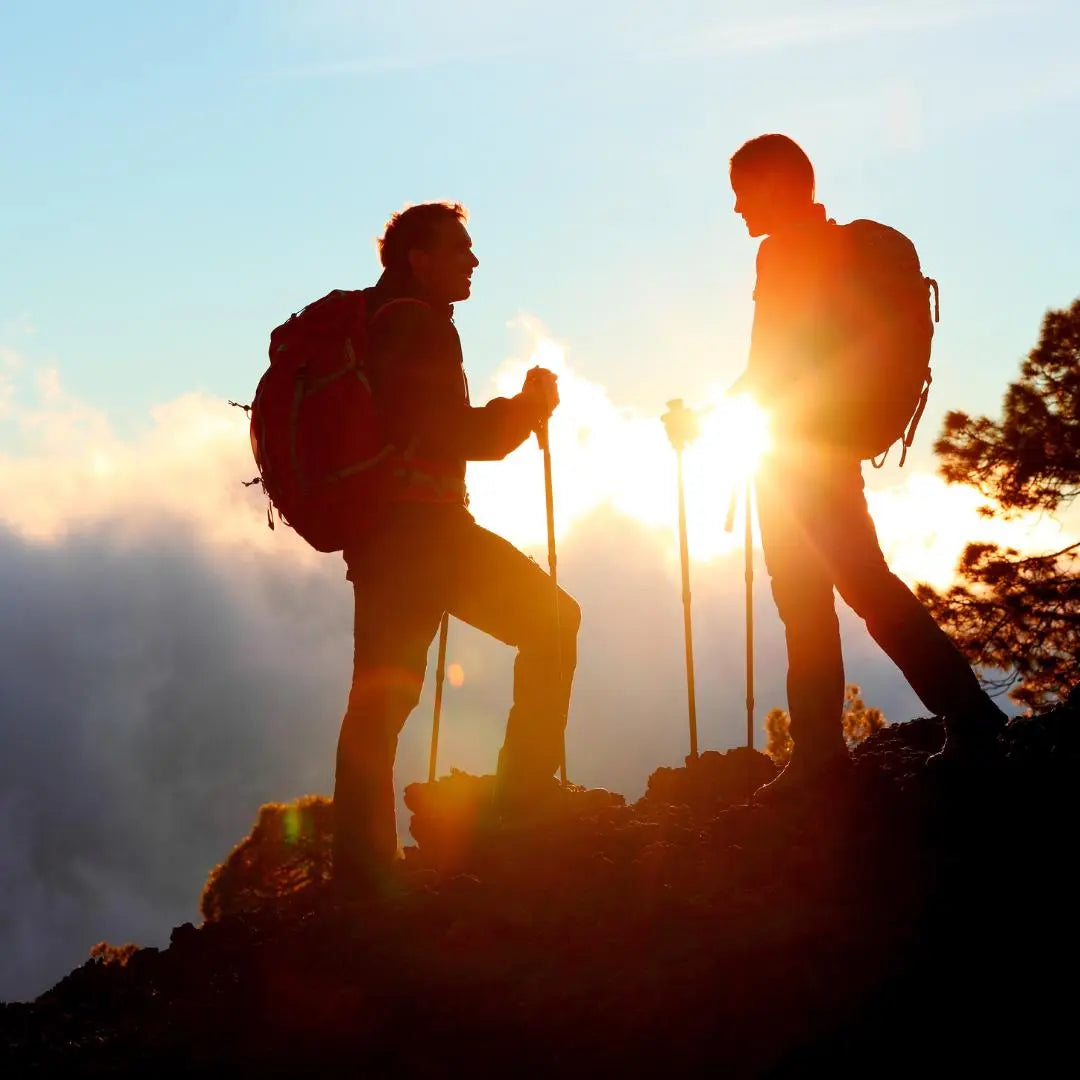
point(816, 531)
point(426, 555)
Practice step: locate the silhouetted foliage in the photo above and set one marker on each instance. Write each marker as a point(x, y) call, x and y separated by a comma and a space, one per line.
point(858, 720)
point(1030, 459)
point(1016, 614)
point(113, 954)
point(779, 743)
point(287, 852)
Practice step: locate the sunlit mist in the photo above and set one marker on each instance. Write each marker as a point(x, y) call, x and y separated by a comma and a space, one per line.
point(604, 454)
point(187, 461)
point(924, 525)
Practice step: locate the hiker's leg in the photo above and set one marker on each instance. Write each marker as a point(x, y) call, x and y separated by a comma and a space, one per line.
point(503, 592)
point(803, 591)
point(396, 614)
point(935, 668)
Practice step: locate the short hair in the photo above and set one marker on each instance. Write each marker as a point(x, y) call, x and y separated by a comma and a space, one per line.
point(779, 155)
point(415, 227)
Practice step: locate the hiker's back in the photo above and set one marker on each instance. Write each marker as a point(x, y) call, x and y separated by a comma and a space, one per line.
point(420, 391)
point(791, 340)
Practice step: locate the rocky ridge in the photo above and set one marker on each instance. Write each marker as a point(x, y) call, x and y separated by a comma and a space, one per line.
point(914, 921)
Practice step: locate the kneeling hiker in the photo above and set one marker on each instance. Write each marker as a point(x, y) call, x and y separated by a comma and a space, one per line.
point(426, 554)
point(817, 347)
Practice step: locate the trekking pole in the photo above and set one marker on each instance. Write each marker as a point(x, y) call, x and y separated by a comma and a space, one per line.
point(748, 545)
point(681, 427)
point(440, 674)
point(545, 446)
point(748, 575)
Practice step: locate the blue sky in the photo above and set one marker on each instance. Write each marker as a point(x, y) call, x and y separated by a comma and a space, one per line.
point(175, 179)
point(178, 178)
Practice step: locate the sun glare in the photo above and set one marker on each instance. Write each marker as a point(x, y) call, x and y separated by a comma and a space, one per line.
point(608, 455)
point(734, 436)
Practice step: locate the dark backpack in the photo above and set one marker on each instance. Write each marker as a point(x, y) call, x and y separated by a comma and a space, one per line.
point(314, 432)
point(881, 300)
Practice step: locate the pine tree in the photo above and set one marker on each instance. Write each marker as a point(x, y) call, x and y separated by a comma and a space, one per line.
point(1014, 614)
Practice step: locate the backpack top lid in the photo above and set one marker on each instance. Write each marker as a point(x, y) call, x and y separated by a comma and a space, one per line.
point(880, 268)
point(324, 323)
point(882, 251)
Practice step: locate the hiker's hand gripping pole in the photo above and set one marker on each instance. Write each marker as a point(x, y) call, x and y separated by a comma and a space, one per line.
point(549, 500)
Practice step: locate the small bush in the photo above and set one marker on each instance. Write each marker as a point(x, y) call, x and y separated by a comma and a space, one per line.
point(288, 851)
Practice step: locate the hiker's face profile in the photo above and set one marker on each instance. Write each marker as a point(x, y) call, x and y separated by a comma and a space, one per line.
point(445, 269)
point(755, 201)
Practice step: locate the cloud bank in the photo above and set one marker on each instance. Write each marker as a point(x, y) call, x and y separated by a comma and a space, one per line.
point(168, 664)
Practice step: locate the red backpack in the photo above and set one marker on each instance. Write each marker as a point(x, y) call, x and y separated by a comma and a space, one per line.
point(314, 432)
point(885, 326)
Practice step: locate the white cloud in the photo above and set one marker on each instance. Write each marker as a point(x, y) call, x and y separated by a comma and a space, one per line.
point(69, 470)
point(167, 663)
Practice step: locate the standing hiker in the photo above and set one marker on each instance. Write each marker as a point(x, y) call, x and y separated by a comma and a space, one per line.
point(426, 554)
point(816, 531)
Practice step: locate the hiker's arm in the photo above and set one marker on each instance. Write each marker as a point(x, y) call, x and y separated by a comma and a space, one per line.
point(423, 397)
point(787, 363)
point(769, 343)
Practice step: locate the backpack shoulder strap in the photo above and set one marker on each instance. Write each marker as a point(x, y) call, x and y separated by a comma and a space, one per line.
point(398, 303)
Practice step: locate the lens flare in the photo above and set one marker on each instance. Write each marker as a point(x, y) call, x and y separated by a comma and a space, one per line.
point(455, 675)
point(616, 456)
point(734, 436)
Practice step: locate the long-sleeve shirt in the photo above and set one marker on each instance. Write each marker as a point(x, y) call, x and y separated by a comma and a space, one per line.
point(421, 391)
point(793, 336)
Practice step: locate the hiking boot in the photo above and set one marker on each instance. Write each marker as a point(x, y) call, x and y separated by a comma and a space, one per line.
point(805, 778)
point(360, 881)
point(971, 739)
point(523, 801)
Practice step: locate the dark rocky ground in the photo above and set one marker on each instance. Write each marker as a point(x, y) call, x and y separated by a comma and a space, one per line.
point(914, 924)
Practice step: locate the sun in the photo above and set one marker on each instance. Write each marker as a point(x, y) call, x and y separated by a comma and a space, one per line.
point(734, 437)
point(619, 456)
point(719, 465)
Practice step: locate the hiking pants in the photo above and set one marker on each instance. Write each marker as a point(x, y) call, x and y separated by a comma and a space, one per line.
point(817, 536)
point(425, 559)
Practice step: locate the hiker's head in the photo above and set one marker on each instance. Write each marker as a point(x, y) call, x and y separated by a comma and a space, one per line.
point(430, 243)
point(773, 182)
